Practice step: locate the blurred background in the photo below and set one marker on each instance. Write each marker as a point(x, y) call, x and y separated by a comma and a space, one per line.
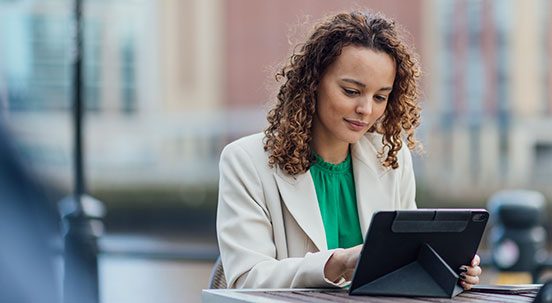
point(168, 83)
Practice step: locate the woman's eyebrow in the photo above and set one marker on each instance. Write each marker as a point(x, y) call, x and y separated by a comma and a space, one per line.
point(387, 88)
point(354, 82)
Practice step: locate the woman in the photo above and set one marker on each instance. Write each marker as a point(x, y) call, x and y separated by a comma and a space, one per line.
point(295, 202)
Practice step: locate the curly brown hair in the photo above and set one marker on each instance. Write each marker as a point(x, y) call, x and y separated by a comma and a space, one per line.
point(288, 136)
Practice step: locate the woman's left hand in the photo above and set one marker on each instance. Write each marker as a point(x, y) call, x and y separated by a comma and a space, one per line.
point(469, 275)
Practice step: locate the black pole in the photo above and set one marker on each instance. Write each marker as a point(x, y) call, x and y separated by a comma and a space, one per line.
point(78, 113)
point(82, 214)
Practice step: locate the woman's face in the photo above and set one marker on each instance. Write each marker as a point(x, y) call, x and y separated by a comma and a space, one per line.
point(352, 95)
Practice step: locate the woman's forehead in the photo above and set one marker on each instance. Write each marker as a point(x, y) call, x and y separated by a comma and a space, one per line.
point(364, 65)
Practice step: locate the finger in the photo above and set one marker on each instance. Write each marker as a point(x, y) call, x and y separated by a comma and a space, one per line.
point(476, 261)
point(473, 271)
point(465, 285)
point(469, 279)
point(348, 276)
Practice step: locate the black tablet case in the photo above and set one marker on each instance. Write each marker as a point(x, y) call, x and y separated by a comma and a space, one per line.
point(417, 252)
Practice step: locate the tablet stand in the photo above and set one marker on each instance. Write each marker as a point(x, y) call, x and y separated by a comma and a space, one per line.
point(428, 276)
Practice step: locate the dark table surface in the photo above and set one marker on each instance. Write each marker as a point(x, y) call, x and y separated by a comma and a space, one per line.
point(328, 295)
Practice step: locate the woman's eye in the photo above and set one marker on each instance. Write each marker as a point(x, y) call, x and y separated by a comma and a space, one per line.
point(380, 98)
point(350, 92)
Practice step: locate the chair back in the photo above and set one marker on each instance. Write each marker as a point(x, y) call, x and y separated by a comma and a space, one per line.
point(217, 279)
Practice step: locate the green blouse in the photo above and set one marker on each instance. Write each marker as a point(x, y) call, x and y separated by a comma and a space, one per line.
point(335, 190)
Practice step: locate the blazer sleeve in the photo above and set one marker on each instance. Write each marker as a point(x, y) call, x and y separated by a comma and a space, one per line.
point(245, 233)
point(407, 184)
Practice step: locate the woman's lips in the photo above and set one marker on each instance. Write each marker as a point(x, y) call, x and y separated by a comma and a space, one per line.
point(356, 125)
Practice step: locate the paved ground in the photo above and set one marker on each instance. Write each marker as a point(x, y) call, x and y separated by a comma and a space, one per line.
point(161, 269)
point(152, 281)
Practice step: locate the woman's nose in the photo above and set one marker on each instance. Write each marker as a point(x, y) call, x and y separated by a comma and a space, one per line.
point(365, 106)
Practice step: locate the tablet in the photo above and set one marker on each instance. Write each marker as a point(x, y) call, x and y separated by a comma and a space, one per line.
point(511, 289)
point(417, 252)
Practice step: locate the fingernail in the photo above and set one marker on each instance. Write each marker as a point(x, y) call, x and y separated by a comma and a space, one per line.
point(463, 276)
point(463, 269)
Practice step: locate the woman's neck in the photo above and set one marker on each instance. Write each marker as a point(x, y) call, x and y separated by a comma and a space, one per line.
point(331, 153)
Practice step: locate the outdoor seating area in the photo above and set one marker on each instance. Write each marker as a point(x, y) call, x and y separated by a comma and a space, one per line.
point(275, 151)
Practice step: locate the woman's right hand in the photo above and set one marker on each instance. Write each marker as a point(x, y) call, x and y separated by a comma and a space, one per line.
point(342, 264)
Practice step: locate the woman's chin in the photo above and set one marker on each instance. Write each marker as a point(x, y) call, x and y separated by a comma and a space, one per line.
point(354, 138)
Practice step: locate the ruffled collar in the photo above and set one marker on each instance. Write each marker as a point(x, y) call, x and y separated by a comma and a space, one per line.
point(342, 167)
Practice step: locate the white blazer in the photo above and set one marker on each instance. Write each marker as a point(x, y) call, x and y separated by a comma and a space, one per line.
point(269, 227)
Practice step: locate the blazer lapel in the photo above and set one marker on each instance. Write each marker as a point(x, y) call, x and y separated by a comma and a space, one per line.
point(371, 193)
point(299, 195)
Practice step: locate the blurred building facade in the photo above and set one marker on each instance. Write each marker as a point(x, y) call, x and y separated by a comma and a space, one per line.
point(488, 109)
point(169, 83)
